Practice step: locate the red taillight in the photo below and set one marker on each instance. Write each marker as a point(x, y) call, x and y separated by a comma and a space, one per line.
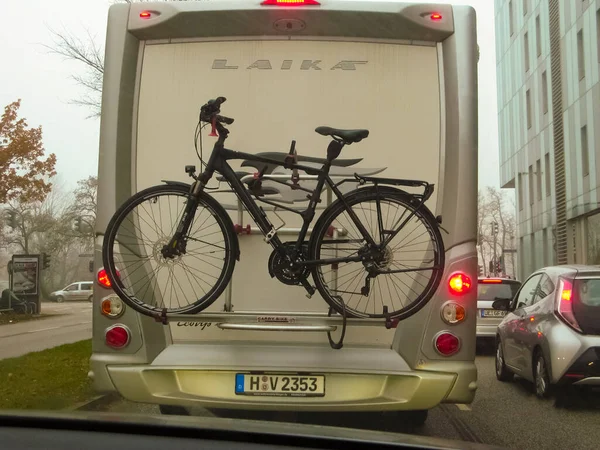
point(117, 336)
point(459, 284)
point(145, 14)
point(290, 3)
point(435, 16)
point(447, 344)
point(490, 281)
point(564, 306)
point(103, 279)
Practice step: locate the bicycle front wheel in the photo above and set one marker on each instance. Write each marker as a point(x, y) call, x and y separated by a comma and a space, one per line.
point(402, 276)
point(133, 252)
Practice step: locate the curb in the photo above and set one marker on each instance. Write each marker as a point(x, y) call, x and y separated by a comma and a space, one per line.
point(95, 403)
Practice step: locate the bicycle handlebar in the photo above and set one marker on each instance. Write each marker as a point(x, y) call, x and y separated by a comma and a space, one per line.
point(209, 112)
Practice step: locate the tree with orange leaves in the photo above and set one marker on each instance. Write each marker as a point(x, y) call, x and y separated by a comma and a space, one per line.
point(24, 173)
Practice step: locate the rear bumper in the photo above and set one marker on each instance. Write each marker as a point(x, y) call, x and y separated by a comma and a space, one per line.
point(585, 371)
point(486, 331)
point(355, 379)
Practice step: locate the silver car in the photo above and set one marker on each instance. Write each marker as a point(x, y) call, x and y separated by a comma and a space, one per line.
point(488, 291)
point(75, 291)
point(551, 334)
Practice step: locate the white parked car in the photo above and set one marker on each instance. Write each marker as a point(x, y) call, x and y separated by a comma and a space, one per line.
point(81, 290)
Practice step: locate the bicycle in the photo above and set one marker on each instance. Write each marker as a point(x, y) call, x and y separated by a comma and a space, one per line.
point(340, 236)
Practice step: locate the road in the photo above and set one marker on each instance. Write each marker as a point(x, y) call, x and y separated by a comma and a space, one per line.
point(73, 322)
point(503, 414)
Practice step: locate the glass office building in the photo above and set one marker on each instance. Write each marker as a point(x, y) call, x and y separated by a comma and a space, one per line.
point(548, 59)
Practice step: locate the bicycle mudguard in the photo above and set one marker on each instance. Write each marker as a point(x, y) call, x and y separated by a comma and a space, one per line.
point(177, 183)
point(218, 210)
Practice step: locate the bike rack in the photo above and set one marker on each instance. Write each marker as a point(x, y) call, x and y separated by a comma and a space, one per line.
point(228, 319)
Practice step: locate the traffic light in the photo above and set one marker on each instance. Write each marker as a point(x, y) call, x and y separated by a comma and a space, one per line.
point(495, 228)
point(78, 223)
point(498, 267)
point(11, 218)
point(45, 261)
point(480, 270)
point(91, 266)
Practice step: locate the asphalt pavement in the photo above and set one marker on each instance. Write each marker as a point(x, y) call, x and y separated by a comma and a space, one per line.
point(72, 323)
point(507, 415)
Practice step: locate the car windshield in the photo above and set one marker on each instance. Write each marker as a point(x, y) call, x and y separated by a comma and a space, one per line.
point(285, 211)
point(496, 291)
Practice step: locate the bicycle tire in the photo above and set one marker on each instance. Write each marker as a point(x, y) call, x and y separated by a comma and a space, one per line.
point(385, 193)
point(205, 201)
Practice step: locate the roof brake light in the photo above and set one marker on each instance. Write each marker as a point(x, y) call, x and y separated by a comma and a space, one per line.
point(145, 15)
point(435, 16)
point(290, 3)
point(490, 281)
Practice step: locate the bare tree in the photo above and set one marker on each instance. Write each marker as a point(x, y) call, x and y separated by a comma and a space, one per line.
point(482, 238)
point(87, 53)
point(83, 209)
point(493, 207)
point(90, 56)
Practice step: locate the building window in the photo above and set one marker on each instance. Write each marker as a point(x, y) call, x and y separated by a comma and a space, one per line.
point(525, 7)
point(593, 239)
point(510, 18)
point(585, 159)
point(528, 107)
point(547, 164)
point(545, 261)
point(526, 50)
point(531, 193)
point(544, 92)
point(580, 55)
point(538, 36)
point(520, 182)
point(538, 174)
point(598, 33)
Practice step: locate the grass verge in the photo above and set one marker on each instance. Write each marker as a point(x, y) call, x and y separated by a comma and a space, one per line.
point(51, 379)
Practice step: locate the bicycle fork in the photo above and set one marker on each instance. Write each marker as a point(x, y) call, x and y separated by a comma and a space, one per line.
point(177, 243)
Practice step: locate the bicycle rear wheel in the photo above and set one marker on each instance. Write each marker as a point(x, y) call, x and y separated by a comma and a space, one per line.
point(151, 283)
point(407, 271)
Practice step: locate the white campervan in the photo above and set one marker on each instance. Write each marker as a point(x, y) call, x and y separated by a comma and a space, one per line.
point(407, 72)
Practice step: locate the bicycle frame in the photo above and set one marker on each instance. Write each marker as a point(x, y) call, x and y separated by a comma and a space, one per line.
point(218, 162)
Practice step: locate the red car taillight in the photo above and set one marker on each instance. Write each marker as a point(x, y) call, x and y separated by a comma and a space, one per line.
point(102, 278)
point(564, 303)
point(447, 344)
point(117, 336)
point(459, 283)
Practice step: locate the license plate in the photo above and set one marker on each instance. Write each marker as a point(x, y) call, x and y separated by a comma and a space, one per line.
point(492, 313)
point(278, 385)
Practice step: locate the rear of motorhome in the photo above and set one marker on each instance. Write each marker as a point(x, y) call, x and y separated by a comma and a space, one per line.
point(408, 74)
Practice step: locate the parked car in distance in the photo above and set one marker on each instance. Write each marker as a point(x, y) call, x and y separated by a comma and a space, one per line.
point(80, 290)
point(551, 333)
point(488, 291)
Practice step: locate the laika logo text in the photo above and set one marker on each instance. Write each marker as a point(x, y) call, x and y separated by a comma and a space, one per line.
point(289, 64)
